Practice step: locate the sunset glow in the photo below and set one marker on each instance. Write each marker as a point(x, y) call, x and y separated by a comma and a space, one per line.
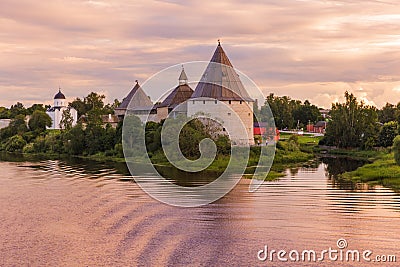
point(312, 50)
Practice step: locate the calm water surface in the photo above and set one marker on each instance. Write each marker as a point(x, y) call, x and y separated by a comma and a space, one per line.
point(80, 213)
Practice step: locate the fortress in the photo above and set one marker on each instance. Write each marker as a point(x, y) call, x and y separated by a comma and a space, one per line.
point(219, 89)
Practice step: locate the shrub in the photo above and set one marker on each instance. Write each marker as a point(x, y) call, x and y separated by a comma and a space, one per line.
point(119, 150)
point(396, 149)
point(15, 143)
point(387, 134)
point(29, 148)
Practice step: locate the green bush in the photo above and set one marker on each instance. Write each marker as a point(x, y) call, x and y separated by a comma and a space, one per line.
point(387, 134)
point(119, 150)
point(29, 148)
point(396, 149)
point(15, 143)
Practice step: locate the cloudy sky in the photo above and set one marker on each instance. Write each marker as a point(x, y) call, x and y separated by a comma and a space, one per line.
point(312, 50)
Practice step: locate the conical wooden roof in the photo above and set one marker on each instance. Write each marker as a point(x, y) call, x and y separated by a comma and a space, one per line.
point(136, 97)
point(180, 94)
point(220, 80)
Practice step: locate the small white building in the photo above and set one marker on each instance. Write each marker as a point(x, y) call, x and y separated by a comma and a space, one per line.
point(56, 111)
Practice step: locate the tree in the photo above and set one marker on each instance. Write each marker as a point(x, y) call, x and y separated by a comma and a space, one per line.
point(387, 134)
point(109, 108)
point(93, 107)
point(388, 113)
point(75, 140)
point(39, 121)
point(190, 136)
point(94, 101)
point(133, 131)
point(353, 124)
point(281, 108)
point(305, 113)
point(396, 149)
point(93, 139)
point(109, 138)
point(79, 106)
point(17, 109)
point(66, 119)
point(4, 113)
point(35, 107)
point(18, 125)
point(15, 143)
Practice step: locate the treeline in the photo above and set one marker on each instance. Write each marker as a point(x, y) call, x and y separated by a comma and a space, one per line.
point(289, 113)
point(356, 125)
point(89, 136)
point(351, 124)
point(93, 101)
point(19, 109)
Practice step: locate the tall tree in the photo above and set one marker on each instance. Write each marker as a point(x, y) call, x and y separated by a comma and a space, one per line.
point(281, 108)
point(39, 121)
point(35, 107)
point(17, 109)
point(387, 134)
point(18, 125)
point(79, 105)
point(4, 113)
point(353, 124)
point(66, 119)
point(305, 113)
point(75, 140)
point(94, 101)
point(388, 113)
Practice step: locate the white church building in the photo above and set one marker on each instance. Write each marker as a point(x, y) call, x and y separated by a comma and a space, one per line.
point(56, 111)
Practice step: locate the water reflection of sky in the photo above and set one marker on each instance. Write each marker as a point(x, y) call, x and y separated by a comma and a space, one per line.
point(63, 213)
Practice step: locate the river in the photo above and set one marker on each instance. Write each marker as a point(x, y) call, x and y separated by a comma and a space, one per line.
point(84, 213)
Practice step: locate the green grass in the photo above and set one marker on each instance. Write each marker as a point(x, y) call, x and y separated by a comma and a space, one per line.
point(370, 155)
point(303, 139)
point(383, 171)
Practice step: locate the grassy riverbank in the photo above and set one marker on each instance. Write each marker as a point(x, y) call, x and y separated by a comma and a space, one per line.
point(290, 152)
point(382, 171)
point(357, 154)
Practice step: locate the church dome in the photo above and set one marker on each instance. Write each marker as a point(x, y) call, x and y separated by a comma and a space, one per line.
point(59, 95)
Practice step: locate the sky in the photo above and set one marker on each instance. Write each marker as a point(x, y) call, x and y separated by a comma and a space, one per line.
point(313, 50)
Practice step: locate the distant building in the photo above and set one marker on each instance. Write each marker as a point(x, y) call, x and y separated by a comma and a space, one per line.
point(4, 123)
point(319, 127)
point(55, 112)
point(110, 119)
point(325, 113)
point(219, 88)
point(260, 128)
point(138, 103)
point(179, 95)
